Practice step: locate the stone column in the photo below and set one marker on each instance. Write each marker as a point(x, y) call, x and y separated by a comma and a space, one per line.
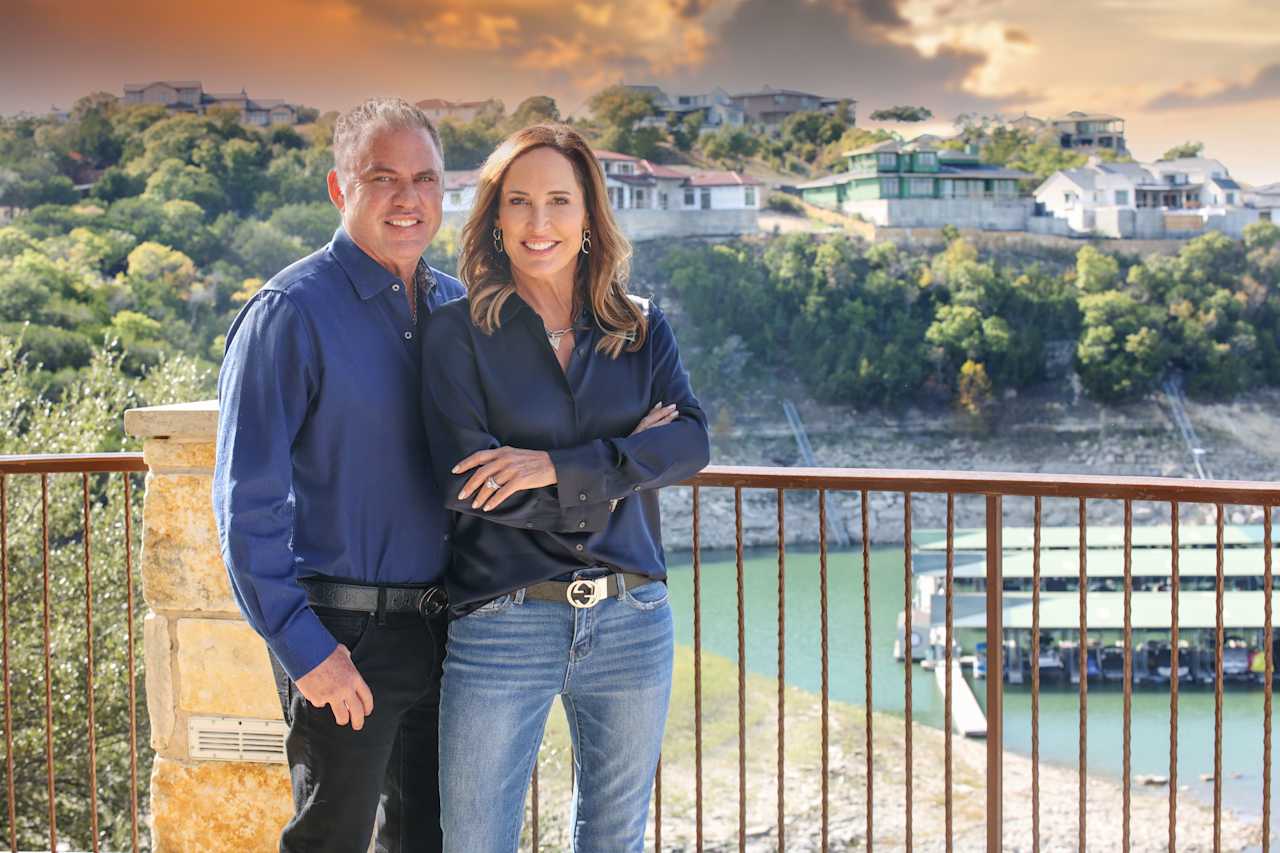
point(202, 659)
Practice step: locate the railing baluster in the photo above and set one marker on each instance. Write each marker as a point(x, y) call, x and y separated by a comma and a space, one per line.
point(1217, 686)
point(995, 673)
point(533, 806)
point(1035, 682)
point(950, 617)
point(1083, 763)
point(133, 681)
point(826, 664)
point(782, 661)
point(48, 670)
point(1175, 586)
point(742, 673)
point(866, 661)
point(1269, 656)
point(908, 652)
point(1128, 670)
point(657, 811)
point(697, 665)
point(88, 624)
point(4, 641)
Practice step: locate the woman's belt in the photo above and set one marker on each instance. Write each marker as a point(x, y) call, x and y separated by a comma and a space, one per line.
point(586, 592)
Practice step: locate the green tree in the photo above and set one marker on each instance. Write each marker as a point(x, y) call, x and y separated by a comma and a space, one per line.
point(1186, 149)
point(1122, 352)
point(1096, 271)
point(730, 145)
point(902, 113)
point(539, 109)
point(175, 180)
point(313, 224)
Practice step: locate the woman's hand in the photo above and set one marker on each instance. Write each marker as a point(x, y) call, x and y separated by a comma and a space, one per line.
point(659, 415)
point(511, 468)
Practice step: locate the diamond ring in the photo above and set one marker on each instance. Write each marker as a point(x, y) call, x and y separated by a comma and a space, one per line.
point(493, 484)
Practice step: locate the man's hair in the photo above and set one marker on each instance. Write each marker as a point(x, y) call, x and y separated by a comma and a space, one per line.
point(355, 125)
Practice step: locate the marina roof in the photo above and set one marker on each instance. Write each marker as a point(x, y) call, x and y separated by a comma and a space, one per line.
point(1102, 536)
point(1109, 563)
point(1149, 611)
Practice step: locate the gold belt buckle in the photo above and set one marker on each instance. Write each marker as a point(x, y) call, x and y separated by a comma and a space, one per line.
point(587, 592)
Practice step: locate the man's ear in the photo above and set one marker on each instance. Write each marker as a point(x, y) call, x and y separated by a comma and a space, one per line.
point(335, 191)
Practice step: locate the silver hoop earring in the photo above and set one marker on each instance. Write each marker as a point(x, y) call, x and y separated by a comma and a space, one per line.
point(586, 241)
point(497, 240)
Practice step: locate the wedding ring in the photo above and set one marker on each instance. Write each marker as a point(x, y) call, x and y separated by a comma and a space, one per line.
point(493, 484)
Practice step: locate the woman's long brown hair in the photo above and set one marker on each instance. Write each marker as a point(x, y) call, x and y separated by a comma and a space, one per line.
point(601, 278)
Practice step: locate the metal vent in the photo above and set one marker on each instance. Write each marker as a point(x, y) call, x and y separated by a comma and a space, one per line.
point(232, 739)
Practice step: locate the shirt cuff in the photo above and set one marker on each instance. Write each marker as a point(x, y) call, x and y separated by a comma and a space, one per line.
point(580, 474)
point(303, 645)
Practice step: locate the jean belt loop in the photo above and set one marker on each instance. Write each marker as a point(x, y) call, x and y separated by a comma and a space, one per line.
point(519, 596)
point(622, 585)
point(381, 616)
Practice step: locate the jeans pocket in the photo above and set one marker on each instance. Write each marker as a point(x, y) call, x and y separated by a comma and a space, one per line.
point(498, 605)
point(347, 627)
point(649, 596)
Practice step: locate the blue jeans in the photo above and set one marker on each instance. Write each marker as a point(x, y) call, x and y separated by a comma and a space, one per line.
point(611, 667)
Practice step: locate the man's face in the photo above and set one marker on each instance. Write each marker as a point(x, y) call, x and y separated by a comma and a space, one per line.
point(390, 199)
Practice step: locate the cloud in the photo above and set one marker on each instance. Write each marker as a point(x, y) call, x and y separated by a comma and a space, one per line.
point(480, 30)
point(882, 13)
point(1264, 86)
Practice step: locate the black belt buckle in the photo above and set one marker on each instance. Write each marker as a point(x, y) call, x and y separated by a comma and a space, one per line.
point(433, 602)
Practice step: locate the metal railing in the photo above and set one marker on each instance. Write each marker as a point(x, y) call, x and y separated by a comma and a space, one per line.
point(66, 535)
point(94, 472)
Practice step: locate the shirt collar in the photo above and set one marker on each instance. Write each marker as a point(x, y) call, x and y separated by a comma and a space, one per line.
point(514, 306)
point(368, 277)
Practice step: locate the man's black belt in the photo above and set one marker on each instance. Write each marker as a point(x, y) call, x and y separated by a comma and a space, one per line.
point(586, 592)
point(424, 600)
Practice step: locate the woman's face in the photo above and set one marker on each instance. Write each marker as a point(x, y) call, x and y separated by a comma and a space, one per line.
point(542, 213)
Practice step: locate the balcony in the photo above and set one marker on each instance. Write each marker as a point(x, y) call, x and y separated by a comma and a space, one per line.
point(140, 715)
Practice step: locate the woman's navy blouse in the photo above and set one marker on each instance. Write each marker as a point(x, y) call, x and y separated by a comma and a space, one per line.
point(506, 389)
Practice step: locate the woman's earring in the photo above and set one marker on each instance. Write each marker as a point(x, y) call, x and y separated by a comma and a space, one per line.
point(586, 241)
point(497, 240)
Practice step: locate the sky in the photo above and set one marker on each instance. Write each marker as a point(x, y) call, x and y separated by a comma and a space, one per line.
point(1175, 70)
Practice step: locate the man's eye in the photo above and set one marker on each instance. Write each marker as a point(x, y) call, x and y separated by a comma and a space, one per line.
point(427, 179)
point(383, 179)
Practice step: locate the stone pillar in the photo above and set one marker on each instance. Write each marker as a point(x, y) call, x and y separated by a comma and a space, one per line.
point(202, 659)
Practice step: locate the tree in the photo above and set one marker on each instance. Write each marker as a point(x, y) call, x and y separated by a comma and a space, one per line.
point(1096, 272)
point(620, 107)
point(160, 277)
point(539, 109)
point(902, 113)
point(1186, 149)
point(313, 224)
point(116, 183)
point(1122, 352)
point(176, 180)
point(730, 145)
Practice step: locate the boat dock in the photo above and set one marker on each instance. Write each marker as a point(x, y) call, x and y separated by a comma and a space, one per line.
point(966, 714)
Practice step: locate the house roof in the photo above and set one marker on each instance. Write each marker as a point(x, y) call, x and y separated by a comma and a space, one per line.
point(660, 171)
point(1133, 171)
point(887, 145)
point(721, 179)
point(641, 180)
point(1077, 115)
point(769, 90)
point(979, 171)
point(602, 154)
point(828, 181)
point(1225, 183)
point(173, 84)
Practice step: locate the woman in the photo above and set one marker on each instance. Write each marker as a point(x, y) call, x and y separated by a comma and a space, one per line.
point(557, 406)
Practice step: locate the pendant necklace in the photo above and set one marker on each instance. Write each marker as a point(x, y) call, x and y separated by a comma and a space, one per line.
point(554, 336)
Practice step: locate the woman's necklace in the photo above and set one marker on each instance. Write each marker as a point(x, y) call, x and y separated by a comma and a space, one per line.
point(554, 336)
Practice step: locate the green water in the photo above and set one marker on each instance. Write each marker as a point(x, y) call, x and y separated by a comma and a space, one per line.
point(1059, 706)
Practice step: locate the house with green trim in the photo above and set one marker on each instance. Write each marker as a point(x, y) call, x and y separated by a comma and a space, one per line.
point(919, 184)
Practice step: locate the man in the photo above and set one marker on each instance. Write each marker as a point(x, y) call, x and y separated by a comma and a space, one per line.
point(332, 529)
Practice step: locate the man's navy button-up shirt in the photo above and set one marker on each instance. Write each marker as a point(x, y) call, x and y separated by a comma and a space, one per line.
point(486, 391)
point(322, 458)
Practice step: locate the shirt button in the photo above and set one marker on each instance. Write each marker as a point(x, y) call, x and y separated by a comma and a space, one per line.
point(579, 547)
point(635, 488)
point(396, 288)
point(581, 524)
point(582, 496)
point(408, 336)
point(446, 537)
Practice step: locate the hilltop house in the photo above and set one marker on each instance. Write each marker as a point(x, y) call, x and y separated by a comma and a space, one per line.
point(1168, 198)
point(717, 108)
point(461, 111)
point(770, 107)
point(1076, 130)
point(651, 200)
point(920, 185)
point(1266, 200)
point(189, 96)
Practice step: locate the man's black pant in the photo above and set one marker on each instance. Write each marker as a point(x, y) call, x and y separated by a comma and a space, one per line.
point(348, 783)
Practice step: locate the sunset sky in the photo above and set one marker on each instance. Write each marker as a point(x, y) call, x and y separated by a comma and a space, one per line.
point(1176, 70)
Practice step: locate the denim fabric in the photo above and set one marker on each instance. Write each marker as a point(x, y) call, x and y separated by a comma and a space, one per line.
point(507, 661)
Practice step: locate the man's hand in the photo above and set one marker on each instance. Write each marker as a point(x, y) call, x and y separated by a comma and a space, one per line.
point(511, 468)
point(336, 682)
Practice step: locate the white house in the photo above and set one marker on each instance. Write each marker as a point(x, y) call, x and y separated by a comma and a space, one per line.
point(459, 191)
point(189, 96)
point(1266, 200)
point(717, 107)
point(1170, 198)
point(461, 111)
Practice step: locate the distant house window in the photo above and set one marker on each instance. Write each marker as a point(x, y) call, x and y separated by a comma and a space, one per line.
point(637, 198)
point(946, 189)
point(624, 169)
point(749, 196)
point(1231, 198)
point(927, 159)
point(1070, 199)
point(1122, 197)
point(887, 160)
point(779, 99)
point(455, 198)
point(662, 200)
point(1099, 196)
point(706, 198)
point(921, 187)
point(889, 188)
point(689, 197)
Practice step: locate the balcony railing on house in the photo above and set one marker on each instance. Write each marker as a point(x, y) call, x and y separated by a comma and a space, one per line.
point(51, 746)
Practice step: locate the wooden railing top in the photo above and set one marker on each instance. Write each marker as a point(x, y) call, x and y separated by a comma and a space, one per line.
point(71, 463)
point(993, 483)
